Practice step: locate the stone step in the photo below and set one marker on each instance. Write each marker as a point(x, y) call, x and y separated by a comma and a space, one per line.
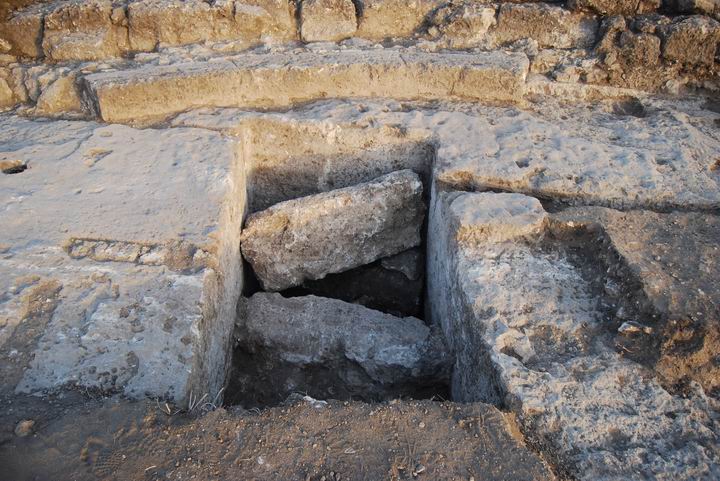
point(282, 80)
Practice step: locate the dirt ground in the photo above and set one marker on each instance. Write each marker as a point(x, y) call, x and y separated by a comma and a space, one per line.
point(113, 439)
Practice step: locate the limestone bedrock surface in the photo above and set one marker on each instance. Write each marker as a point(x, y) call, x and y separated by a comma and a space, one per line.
point(528, 322)
point(313, 236)
point(578, 154)
point(119, 255)
point(354, 343)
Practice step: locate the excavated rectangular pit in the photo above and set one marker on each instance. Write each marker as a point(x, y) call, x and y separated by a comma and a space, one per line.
point(293, 160)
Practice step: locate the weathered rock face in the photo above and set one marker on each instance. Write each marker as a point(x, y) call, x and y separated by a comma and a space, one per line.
point(631, 59)
point(82, 30)
point(23, 32)
point(544, 348)
point(679, 299)
point(382, 19)
point(313, 236)
point(173, 22)
point(60, 98)
point(142, 306)
point(327, 20)
point(691, 41)
point(549, 25)
point(616, 7)
point(360, 352)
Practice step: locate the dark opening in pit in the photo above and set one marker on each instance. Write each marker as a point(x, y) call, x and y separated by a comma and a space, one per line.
point(358, 334)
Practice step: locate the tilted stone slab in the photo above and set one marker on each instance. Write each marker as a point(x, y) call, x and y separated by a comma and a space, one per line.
point(316, 331)
point(120, 268)
point(531, 332)
point(313, 236)
point(284, 79)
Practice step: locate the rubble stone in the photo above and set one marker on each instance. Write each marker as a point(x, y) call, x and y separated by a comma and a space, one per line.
point(313, 236)
point(381, 19)
point(550, 26)
point(691, 41)
point(82, 30)
point(173, 22)
point(462, 25)
point(61, 97)
point(23, 31)
point(616, 7)
point(327, 20)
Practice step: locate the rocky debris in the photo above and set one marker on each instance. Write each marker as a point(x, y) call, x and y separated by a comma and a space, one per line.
point(616, 7)
point(362, 352)
point(677, 296)
point(157, 325)
point(549, 356)
point(282, 80)
point(691, 41)
point(462, 25)
point(85, 30)
point(327, 20)
point(393, 284)
point(550, 26)
point(313, 236)
point(24, 428)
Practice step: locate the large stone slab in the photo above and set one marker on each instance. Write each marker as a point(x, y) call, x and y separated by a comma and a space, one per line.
point(119, 268)
point(283, 79)
point(313, 236)
point(361, 352)
point(527, 316)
